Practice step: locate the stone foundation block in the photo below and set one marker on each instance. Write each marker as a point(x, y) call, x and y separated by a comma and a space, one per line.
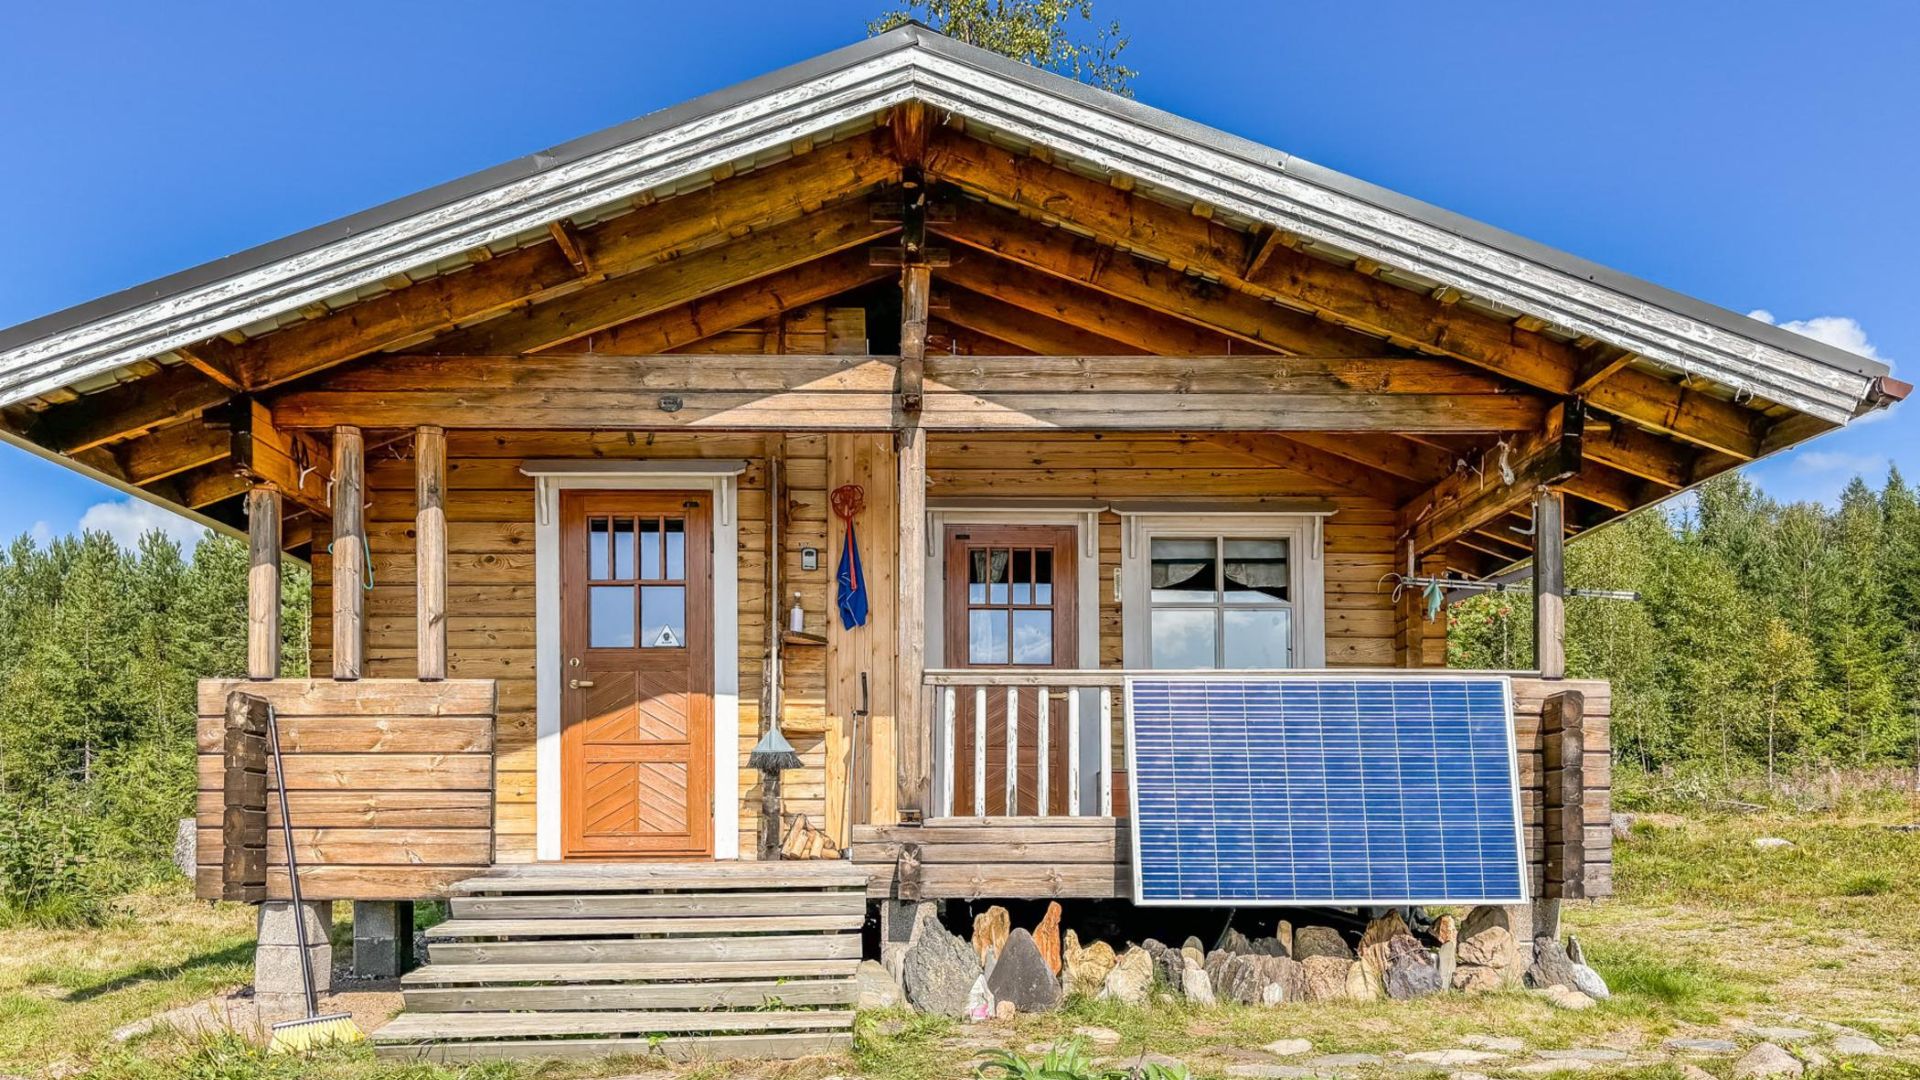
point(382, 938)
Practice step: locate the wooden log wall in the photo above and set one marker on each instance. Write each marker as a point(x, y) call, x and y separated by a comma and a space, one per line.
point(389, 783)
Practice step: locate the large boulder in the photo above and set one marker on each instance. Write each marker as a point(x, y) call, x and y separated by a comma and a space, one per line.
point(1195, 984)
point(1551, 966)
point(1087, 969)
point(1324, 978)
point(1411, 971)
point(1023, 976)
point(1234, 941)
point(1319, 941)
point(1168, 962)
point(1046, 937)
point(1281, 980)
point(990, 930)
point(1585, 979)
point(874, 987)
point(1487, 952)
point(1385, 938)
point(1131, 980)
point(938, 971)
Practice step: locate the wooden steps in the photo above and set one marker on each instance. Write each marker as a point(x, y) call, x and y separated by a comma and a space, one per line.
point(688, 962)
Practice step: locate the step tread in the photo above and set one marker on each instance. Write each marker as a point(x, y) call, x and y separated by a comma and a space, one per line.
point(655, 996)
point(690, 950)
point(657, 905)
point(691, 926)
point(705, 876)
point(664, 971)
point(677, 1048)
point(419, 1027)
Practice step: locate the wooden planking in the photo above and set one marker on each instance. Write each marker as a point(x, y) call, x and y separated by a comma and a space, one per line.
point(657, 905)
point(668, 971)
point(457, 928)
point(701, 1049)
point(486, 1025)
point(693, 995)
point(685, 950)
point(389, 785)
point(860, 750)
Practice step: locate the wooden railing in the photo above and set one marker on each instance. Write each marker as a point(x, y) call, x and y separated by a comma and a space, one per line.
point(1029, 726)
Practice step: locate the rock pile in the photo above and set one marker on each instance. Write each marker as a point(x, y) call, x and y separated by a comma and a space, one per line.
point(1004, 968)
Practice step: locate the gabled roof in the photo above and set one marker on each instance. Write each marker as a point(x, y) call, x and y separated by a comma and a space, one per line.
point(1170, 158)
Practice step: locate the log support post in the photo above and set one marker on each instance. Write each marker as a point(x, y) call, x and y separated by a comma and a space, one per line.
point(1549, 584)
point(349, 552)
point(1563, 806)
point(264, 508)
point(430, 551)
point(1418, 643)
point(914, 732)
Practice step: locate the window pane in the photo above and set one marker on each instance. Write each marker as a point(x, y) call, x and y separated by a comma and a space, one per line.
point(1023, 576)
point(986, 637)
point(650, 549)
point(977, 576)
point(597, 567)
point(1182, 638)
point(1033, 637)
point(1256, 571)
point(610, 617)
point(1043, 576)
point(1184, 569)
point(676, 549)
point(623, 549)
point(1258, 638)
point(997, 577)
point(663, 617)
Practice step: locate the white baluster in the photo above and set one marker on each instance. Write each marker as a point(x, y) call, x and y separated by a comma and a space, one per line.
point(947, 694)
point(1013, 751)
point(1041, 752)
point(1073, 752)
point(979, 751)
point(1106, 751)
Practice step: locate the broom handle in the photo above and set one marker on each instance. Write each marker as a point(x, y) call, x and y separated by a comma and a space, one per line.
point(293, 869)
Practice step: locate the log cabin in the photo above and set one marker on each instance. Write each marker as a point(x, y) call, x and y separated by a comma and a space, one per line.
point(576, 447)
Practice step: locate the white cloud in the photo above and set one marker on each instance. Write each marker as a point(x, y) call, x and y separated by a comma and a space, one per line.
point(1820, 462)
point(129, 519)
point(1838, 331)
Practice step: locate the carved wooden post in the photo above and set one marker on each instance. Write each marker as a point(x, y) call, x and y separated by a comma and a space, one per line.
point(914, 738)
point(349, 552)
point(430, 551)
point(263, 582)
point(1563, 744)
point(1549, 584)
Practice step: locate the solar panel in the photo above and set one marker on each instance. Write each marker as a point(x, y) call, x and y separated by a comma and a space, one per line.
point(1347, 791)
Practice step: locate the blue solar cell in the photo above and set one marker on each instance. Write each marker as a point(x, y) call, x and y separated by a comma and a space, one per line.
point(1312, 790)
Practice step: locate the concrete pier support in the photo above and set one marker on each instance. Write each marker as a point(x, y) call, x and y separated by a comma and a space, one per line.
point(277, 989)
point(382, 938)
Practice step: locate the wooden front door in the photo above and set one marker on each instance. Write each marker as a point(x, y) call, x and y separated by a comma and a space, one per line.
point(636, 676)
point(1011, 603)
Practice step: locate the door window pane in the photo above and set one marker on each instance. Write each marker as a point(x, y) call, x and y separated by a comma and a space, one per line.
point(977, 576)
point(663, 617)
point(1256, 571)
point(597, 562)
point(1033, 636)
point(986, 637)
point(1043, 576)
point(1257, 637)
point(623, 549)
point(997, 576)
point(610, 617)
point(1023, 576)
point(1184, 569)
point(650, 549)
point(676, 549)
point(1183, 638)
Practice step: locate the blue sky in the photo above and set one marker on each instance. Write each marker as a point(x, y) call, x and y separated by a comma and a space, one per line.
point(1757, 154)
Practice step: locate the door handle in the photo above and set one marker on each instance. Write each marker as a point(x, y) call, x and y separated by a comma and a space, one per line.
point(579, 684)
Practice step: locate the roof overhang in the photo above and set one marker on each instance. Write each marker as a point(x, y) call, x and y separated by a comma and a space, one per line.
point(1166, 154)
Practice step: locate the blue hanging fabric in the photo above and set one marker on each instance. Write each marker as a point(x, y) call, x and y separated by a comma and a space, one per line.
point(852, 580)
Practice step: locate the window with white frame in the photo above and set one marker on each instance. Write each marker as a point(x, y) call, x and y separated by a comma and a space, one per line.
point(1231, 592)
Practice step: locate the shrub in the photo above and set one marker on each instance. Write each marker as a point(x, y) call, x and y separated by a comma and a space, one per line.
point(44, 852)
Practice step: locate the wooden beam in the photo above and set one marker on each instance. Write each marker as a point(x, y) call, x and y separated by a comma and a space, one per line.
point(757, 392)
point(1084, 309)
point(913, 738)
point(1406, 458)
point(1604, 486)
point(1468, 498)
point(349, 552)
point(741, 305)
point(1563, 743)
point(1602, 362)
point(1017, 326)
point(1364, 303)
point(165, 397)
point(202, 487)
point(567, 239)
point(916, 279)
point(171, 451)
point(1549, 584)
point(263, 582)
point(430, 551)
point(294, 462)
point(679, 281)
point(631, 242)
point(215, 370)
point(1206, 304)
point(1640, 453)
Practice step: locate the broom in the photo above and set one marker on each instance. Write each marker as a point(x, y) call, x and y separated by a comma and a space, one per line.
point(773, 752)
point(315, 1030)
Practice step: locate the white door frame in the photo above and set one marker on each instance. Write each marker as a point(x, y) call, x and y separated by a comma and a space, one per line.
point(722, 479)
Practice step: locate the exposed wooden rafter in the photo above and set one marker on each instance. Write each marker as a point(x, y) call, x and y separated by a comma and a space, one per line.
point(1503, 481)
